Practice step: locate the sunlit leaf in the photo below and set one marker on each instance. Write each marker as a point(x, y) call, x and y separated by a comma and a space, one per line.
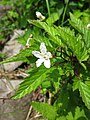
point(85, 93)
point(47, 110)
point(31, 83)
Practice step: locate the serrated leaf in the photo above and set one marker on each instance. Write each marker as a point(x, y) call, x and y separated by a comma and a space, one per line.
point(61, 118)
point(19, 57)
point(22, 56)
point(47, 110)
point(79, 113)
point(74, 43)
point(85, 93)
point(87, 39)
point(49, 29)
point(81, 28)
point(76, 23)
point(70, 116)
point(30, 84)
point(40, 37)
point(76, 83)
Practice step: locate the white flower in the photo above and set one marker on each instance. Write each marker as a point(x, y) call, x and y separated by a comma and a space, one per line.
point(43, 55)
point(40, 16)
point(88, 26)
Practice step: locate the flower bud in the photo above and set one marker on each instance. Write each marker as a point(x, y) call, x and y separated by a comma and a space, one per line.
point(88, 26)
point(40, 16)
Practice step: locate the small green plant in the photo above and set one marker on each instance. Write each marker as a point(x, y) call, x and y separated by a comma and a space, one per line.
point(59, 52)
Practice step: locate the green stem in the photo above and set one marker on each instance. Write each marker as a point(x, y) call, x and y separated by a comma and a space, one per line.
point(65, 9)
point(47, 3)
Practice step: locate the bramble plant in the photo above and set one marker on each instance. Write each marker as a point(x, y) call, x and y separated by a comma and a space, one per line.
point(63, 72)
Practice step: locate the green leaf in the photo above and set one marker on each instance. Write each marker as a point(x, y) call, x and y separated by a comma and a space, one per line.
point(40, 37)
point(62, 101)
point(83, 65)
point(85, 93)
point(61, 118)
point(54, 16)
point(22, 56)
point(79, 113)
point(49, 29)
point(47, 110)
point(74, 43)
point(31, 83)
point(76, 83)
point(19, 57)
point(76, 23)
point(84, 89)
point(81, 28)
point(87, 39)
point(70, 116)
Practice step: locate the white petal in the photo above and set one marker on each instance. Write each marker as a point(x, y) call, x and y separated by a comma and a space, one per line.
point(43, 48)
point(47, 63)
point(38, 14)
point(37, 54)
point(39, 62)
point(48, 55)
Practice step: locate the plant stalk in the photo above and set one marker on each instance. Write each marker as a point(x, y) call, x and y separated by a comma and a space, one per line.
point(63, 17)
point(48, 8)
